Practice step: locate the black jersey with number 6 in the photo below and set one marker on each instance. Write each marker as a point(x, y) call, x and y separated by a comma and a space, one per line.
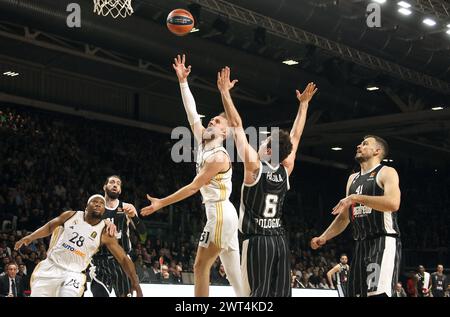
point(262, 202)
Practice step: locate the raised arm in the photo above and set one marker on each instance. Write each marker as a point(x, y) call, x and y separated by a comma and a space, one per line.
point(188, 99)
point(124, 261)
point(219, 162)
point(245, 151)
point(297, 128)
point(45, 230)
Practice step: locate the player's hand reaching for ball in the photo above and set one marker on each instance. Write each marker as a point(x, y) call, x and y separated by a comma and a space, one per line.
point(155, 206)
point(181, 70)
point(317, 242)
point(306, 96)
point(224, 83)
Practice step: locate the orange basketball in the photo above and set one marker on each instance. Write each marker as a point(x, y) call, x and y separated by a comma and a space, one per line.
point(180, 22)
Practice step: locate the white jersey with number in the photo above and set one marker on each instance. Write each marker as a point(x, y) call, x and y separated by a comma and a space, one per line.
point(73, 244)
point(220, 186)
point(222, 221)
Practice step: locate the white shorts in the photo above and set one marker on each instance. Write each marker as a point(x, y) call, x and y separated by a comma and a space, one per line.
point(49, 280)
point(221, 226)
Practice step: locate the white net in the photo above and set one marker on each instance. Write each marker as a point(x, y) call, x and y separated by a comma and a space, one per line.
point(114, 8)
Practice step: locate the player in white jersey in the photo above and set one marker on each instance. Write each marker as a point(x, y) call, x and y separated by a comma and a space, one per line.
point(77, 236)
point(220, 235)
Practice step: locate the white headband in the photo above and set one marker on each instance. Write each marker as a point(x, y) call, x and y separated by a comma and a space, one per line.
point(96, 196)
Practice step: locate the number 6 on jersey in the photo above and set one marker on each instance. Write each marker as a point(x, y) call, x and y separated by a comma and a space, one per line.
point(270, 208)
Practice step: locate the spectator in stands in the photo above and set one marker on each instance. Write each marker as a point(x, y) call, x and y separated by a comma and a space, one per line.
point(24, 276)
point(399, 291)
point(176, 275)
point(315, 279)
point(6, 261)
point(30, 262)
point(219, 277)
point(166, 278)
point(323, 284)
point(411, 285)
point(140, 268)
point(295, 280)
point(304, 282)
point(155, 273)
point(11, 283)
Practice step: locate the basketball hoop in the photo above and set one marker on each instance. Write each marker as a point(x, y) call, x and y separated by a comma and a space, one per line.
point(114, 8)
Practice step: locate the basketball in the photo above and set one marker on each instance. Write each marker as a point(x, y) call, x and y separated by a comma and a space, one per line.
point(180, 22)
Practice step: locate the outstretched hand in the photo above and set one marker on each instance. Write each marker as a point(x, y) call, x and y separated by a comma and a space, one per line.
point(24, 241)
point(181, 70)
point(223, 80)
point(307, 94)
point(154, 206)
point(343, 205)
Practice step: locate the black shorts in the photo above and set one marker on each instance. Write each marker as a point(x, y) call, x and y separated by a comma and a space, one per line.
point(266, 266)
point(109, 275)
point(375, 267)
point(342, 289)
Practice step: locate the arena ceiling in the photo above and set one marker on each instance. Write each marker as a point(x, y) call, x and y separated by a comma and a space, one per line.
point(122, 67)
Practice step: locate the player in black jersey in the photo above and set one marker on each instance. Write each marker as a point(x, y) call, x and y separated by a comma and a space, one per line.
point(373, 197)
point(340, 274)
point(106, 273)
point(439, 282)
point(265, 252)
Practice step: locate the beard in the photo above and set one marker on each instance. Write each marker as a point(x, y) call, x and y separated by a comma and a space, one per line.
point(93, 214)
point(360, 159)
point(96, 215)
point(112, 195)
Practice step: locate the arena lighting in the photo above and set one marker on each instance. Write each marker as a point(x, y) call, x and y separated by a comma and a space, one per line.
point(290, 62)
point(448, 32)
point(437, 108)
point(404, 4)
point(379, 1)
point(201, 115)
point(388, 160)
point(336, 148)
point(11, 74)
point(448, 25)
point(372, 88)
point(404, 11)
point(194, 30)
point(429, 22)
point(264, 132)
